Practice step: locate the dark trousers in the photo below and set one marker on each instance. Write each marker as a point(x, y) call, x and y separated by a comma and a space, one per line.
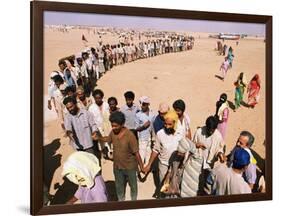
point(156, 179)
point(135, 133)
point(122, 176)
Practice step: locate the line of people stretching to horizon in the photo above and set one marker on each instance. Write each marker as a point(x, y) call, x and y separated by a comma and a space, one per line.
point(140, 141)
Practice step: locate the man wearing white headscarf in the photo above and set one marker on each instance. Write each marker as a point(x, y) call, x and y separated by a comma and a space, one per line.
point(83, 169)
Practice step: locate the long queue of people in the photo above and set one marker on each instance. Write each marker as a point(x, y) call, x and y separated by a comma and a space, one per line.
point(140, 141)
point(86, 67)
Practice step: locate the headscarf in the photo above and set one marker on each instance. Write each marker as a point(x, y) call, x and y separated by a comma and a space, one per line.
point(223, 104)
point(81, 168)
point(255, 82)
point(163, 108)
point(144, 99)
point(68, 64)
point(171, 114)
point(242, 81)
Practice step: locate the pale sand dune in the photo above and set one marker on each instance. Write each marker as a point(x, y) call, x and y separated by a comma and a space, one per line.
point(187, 75)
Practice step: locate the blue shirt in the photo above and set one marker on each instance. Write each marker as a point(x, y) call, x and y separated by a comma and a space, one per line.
point(158, 124)
point(68, 79)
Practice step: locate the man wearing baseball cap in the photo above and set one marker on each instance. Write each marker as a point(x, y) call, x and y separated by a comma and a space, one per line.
point(229, 181)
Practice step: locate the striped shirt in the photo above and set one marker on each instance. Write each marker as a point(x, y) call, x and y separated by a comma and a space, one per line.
point(192, 168)
point(82, 125)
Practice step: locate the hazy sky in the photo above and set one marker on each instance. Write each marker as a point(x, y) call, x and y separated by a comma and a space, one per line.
point(67, 18)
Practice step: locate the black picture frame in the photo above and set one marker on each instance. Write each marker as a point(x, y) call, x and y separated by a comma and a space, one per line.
point(37, 9)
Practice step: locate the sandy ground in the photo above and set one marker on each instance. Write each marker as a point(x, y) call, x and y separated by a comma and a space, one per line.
point(188, 75)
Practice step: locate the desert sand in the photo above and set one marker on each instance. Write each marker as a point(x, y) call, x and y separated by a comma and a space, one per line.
point(188, 75)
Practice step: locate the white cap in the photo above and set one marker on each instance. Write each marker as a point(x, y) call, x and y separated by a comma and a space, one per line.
point(144, 99)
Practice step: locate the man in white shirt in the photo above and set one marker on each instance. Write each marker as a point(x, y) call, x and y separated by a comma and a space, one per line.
point(184, 120)
point(51, 85)
point(167, 141)
point(100, 110)
point(81, 72)
point(143, 125)
point(89, 65)
point(130, 110)
point(210, 147)
point(57, 96)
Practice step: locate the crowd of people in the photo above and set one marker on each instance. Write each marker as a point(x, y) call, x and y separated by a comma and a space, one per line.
point(140, 141)
point(241, 84)
point(87, 67)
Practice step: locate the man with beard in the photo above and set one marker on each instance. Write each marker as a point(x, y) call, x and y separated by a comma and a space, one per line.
point(100, 109)
point(112, 102)
point(167, 141)
point(126, 157)
point(130, 110)
point(83, 101)
point(80, 126)
point(158, 124)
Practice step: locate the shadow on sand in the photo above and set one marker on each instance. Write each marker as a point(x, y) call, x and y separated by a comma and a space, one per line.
point(51, 161)
point(219, 77)
point(231, 105)
point(64, 193)
point(244, 104)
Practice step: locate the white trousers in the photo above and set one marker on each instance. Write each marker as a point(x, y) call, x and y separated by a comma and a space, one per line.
point(145, 150)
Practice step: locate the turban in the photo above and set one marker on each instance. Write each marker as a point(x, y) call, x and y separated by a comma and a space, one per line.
point(171, 114)
point(163, 108)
